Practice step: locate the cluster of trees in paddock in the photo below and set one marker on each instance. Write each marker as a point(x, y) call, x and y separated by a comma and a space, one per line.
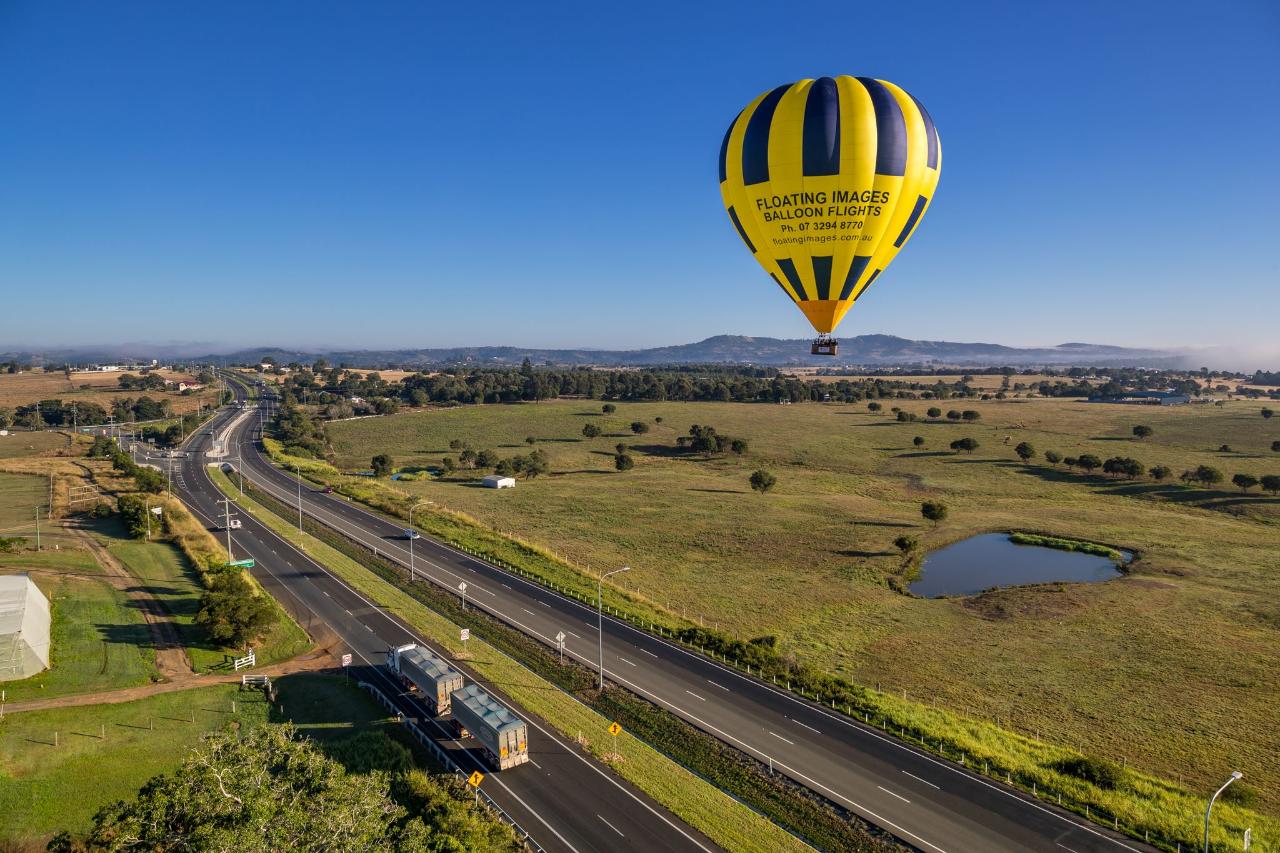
point(57, 413)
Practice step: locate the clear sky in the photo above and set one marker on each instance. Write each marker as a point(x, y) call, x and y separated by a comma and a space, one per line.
point(408, 174)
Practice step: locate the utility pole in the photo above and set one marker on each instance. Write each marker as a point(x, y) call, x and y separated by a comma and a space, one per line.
point(226, 524)
point(37, 528)
point(298, 471)
point(600, 616)
point(146, 504)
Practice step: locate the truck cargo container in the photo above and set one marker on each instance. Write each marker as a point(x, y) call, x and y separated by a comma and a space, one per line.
point(426, 675)
point(504, 736)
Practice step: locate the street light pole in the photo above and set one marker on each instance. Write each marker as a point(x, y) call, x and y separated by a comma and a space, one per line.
point(1235, 774)
point(298, 471)
point(600, 617)
point(411, 572)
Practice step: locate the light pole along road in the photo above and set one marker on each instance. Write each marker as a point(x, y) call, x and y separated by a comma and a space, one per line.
point(563, 799)
point(932, 804)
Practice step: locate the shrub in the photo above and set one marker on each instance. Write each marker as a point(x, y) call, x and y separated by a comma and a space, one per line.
point(639, 427)
point(1142, 431)
point(762, 481)
point(624, 462)
point(1025, 451)
point(1053, 457)
point(873, 407)
point(608, 408)
point(381, 465)
point(934, 412)
point(971, 414)
point(1160, 472)
point(934, 511)
point(590, 431)
point(968, 445)
point(1101, 772)
point(918, 441)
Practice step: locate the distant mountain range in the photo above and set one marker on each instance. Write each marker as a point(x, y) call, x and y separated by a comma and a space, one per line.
point(863, 350)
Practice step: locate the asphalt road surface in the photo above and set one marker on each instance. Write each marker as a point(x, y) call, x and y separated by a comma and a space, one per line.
point(563, 799)
point(932, 804)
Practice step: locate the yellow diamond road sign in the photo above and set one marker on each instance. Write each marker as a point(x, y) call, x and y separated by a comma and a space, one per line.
point(614, 728)
point(476, 778)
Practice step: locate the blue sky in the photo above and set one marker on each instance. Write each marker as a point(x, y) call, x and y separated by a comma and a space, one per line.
point(421, 174)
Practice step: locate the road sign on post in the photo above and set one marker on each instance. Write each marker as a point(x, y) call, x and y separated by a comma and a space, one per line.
point(346, 660)
point(614, 728)
point(462, 588)
point(464, 634)
point(241, 564)
point(560, 646)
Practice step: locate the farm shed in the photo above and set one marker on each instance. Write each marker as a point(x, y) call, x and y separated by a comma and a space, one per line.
point(493, 481)
point(24, 628)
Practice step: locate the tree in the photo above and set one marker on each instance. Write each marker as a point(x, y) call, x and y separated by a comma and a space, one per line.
point(1070, 462)
point(271, 789)
point(1088, 462)
point(762, 481)
point(1123, 466)
point(738, 446)
point(918, 441)
point(149, 480)
point(467, 458)
point(1142, 431)
point(1053, 457)
point(624, 462)
point(1160, 472)
point(608, 408)
point(456, 444)
point(905, 416)
point(505, 468)
point(971, 414)
point(968, 445)
point(1244, 482)
point(953, 415)
point(1025, 451)
point(907, 545)
point(381, 465)
point(1268, 413)
point(590, 430)
point(528, 439)
point(934, 412)
point(935, 511)
point(535, 464)
point(873, 407)
point(448, 465)
point(231, 609)
point(1207, 475)
point(486, 458)
point(1275, 447)
point(1271, 483)
point(639, 427)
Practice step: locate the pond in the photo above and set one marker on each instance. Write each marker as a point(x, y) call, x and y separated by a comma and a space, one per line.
point(990, 560)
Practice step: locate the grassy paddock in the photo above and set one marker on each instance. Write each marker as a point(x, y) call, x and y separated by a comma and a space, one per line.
point(696, 801)
point(1156, 692)
point(106, 752)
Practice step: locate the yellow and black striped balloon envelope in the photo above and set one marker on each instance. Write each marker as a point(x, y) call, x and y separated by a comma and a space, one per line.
point(825, 181)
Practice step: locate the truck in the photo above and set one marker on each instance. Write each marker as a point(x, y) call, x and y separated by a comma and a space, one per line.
point(425, 675)
point(504, 736)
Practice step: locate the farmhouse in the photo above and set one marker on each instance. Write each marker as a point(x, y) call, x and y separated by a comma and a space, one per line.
point(1145, 398)
point(24, 628)
point(493, 481)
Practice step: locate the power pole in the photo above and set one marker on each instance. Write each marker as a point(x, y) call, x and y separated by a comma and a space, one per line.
point(226, 503)
point(37, 528)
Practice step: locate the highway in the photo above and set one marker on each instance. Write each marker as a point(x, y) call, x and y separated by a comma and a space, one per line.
point(932, 804)
point(562, 798)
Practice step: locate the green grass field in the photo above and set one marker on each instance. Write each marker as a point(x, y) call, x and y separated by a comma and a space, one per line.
point(1170, 669)
point(99, 641)
point(106, 752)
point(701, 804)
point(17, 444)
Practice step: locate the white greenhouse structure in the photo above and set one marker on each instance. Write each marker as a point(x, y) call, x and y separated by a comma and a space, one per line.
point(24, 628)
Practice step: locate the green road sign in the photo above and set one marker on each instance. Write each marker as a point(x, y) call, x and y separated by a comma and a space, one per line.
point(241, 564)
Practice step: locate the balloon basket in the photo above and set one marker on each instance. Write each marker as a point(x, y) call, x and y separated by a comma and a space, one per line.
point(825, 346)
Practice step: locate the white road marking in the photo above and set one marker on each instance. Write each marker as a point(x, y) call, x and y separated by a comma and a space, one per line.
point(918, 779)
point(696, 696)
point(892, 794)
point(543, 603)
point(781, 738)
point(649, 653)
point(624, 660)
point(810, 728)
point(611, 826)
point(721, 686)
point(508, 587)
point(571, 634)
point(535, 764)
point(1065, 847)
point(527, 610)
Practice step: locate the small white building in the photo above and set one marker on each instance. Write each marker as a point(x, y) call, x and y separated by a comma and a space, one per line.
point(24, 628)
point(493, 481)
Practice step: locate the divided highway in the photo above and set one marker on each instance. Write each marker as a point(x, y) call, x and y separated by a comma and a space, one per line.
point(928, 803)
point(563, 799)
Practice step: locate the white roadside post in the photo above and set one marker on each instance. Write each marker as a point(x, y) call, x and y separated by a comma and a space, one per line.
point(600, 617)
point(462, 589)
point(560, 646)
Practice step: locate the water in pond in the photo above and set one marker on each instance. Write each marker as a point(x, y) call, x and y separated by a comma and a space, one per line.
point(981, 562)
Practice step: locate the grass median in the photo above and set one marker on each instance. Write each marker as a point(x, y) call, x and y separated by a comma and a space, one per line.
point(722, 818)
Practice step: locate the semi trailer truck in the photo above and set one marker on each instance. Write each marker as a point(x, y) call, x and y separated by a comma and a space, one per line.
point(504, 736)
point(425, 675)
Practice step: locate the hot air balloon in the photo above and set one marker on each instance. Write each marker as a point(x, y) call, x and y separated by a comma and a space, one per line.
point(825, 181)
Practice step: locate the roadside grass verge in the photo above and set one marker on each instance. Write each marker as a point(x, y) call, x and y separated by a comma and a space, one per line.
point(106, 752)
point(284, 639)
point(721, 817)
point(1144, 805)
